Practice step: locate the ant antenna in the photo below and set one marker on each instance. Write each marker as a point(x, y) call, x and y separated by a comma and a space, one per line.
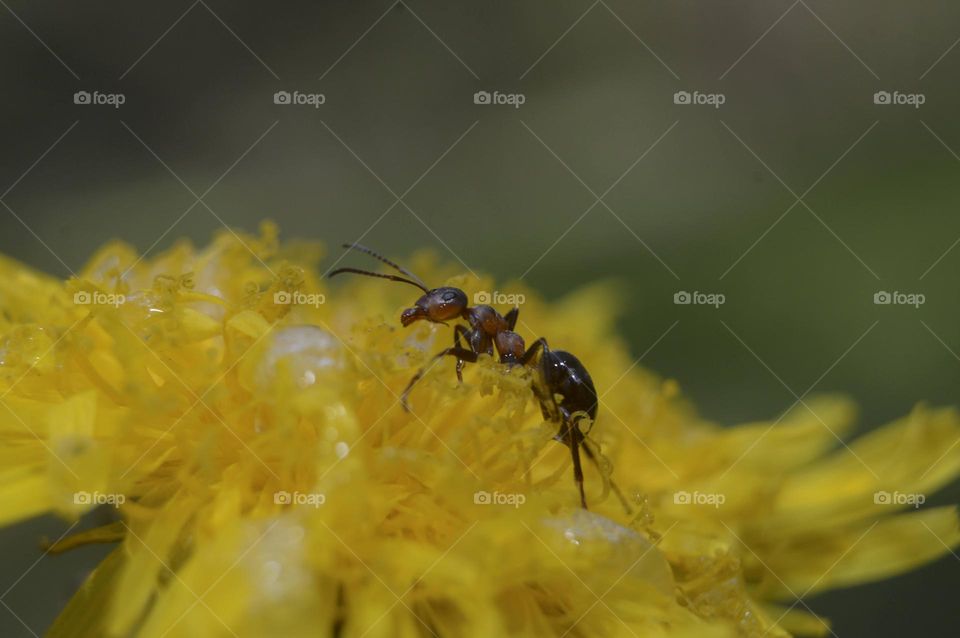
point(413, 279)
point(376, 255)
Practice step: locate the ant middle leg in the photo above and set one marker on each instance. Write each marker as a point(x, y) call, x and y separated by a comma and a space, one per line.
point(463, 354)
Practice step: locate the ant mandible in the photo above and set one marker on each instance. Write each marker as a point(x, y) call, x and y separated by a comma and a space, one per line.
point(557, 372)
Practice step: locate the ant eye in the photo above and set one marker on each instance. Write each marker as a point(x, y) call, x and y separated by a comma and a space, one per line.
point(449, 296)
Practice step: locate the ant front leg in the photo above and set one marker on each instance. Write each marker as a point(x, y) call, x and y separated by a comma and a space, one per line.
point(460, 353)
point(457, 331)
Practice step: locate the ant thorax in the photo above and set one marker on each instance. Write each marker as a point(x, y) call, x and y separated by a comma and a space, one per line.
point(486, 319)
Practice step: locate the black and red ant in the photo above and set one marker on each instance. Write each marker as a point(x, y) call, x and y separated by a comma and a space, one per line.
point(558, 373)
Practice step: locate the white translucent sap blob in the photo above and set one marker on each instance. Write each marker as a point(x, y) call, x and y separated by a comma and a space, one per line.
point(607, 549)
point(305, 352)
point(276, 561)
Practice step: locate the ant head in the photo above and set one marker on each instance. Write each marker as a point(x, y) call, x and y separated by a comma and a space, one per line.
point(438, 305)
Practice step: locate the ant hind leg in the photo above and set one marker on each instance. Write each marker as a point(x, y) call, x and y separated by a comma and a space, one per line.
point(608, 479)
point(574, 443)
point(511, 318)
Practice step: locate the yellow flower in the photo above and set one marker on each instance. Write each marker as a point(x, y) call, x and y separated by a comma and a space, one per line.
point(244, 418)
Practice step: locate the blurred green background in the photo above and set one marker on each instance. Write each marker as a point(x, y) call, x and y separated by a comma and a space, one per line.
point(692, 197)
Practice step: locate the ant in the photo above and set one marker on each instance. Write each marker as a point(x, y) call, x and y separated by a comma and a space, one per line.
point(557, 372)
